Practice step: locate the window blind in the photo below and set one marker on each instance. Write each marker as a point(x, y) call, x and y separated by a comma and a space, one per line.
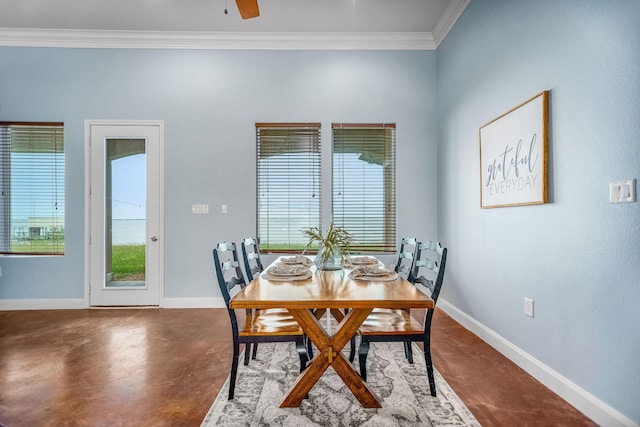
point(364, 191)
point(288, 184)
point(32, 188)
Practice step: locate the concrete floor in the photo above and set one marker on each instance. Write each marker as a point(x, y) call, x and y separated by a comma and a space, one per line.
point(164, 367)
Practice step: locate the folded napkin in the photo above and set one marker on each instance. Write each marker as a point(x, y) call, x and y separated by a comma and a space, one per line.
point(362, 260)
point(281, 269)
point(369, 271)
point(298, 259)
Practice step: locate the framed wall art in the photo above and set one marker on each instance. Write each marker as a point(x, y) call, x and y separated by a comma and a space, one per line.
point(513, 156)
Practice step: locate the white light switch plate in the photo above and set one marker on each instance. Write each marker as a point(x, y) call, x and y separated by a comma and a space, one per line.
point(622, 191)
point(200, 208)
point(528, 307)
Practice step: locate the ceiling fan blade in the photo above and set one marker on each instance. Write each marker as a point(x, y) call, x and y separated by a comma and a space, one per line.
point(248, 8)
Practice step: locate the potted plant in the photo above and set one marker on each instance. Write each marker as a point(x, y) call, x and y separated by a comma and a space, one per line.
point(333, 247)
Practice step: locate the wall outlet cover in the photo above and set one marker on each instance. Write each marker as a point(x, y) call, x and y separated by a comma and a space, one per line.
point(528, 307)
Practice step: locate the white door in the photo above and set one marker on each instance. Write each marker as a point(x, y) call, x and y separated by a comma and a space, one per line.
point(125, 213)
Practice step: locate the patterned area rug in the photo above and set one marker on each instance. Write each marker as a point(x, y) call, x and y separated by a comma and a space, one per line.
point(403, 389)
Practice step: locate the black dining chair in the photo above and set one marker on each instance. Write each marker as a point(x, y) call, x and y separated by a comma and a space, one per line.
point(406, 256)
point(399, 325)
point(252, 267)
point(404, 268)
point(251, 258)
point(259, 325)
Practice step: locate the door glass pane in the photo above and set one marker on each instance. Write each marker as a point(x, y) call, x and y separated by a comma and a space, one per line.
point(125, 213)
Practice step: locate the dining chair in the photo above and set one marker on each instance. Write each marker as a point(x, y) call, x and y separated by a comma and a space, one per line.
point(399, 325)
point(259, 325)
point(252, 266)
point(404, 268)
point(251, 257)
point(406, 256)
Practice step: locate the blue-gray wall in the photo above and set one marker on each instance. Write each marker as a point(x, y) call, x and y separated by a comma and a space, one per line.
point(210, 101)
point(579, 256)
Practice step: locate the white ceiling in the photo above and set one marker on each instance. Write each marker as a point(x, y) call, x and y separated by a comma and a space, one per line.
point(369, 24)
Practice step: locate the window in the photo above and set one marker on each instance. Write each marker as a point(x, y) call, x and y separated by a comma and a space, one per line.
point(288, 183)
point(364, 200)
point(32, 188)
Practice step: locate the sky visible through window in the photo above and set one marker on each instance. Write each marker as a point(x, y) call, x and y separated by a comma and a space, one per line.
point(22, 180)
point(128, 182)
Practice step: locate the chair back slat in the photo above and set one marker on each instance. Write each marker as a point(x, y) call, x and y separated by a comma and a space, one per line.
point(251, 256)
point(427, 263)
point(228, 265)
point(224, 246)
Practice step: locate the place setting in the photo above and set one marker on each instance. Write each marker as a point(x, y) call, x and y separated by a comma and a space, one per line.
point(353, 262)
point(297, 260)
point(284, 271)
point(376, 273)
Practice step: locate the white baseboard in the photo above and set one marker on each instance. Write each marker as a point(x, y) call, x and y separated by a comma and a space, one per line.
point(42, 304)
point(80, 303)
point(217, 302)
point(592, 407)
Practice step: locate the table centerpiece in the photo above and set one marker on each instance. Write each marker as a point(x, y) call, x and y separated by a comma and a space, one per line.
point(333, 247)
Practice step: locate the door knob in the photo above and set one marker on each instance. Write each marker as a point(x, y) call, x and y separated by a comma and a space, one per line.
point(154, 239)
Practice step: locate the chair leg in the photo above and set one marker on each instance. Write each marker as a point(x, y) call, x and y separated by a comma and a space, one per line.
point(363, 351)
point(255, 350)
point(352, 349)
point(429, 363)
point(303, 346)
point(309, 347)
point(302, 353)
point(234, 368)
point(408, 351)
point(247, 352)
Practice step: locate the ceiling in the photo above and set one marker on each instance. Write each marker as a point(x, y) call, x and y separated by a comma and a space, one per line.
point(288, 24)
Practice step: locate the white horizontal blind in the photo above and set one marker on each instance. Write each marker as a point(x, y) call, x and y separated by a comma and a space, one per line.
point(32, 210)
point(288, 184)
point(364, 190)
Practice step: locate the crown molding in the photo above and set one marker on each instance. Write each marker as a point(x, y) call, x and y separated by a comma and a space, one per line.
point(214, 40)
point(110, 39)
point(448, 19)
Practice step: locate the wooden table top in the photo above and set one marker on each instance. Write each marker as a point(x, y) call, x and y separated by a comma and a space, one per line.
point(330, 289)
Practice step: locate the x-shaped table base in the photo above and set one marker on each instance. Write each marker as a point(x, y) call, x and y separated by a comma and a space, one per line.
point(330, 353)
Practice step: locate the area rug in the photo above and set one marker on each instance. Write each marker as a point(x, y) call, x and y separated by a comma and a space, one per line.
point(403, 389)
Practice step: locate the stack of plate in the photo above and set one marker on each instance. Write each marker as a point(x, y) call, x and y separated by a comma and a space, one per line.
point(285, 272)
point(352, 262)
point(297, 259)
point(373, 273)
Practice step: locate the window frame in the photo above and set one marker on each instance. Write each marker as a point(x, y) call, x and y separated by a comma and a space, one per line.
point(386, 141)
point(291, 241)
point(33, 138)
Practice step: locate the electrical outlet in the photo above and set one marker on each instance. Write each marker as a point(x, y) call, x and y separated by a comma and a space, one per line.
point(528, 307)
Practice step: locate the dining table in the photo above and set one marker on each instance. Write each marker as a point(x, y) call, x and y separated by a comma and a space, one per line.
point(349, 299)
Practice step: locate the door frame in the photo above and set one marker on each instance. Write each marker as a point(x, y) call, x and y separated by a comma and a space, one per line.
point(87, 199)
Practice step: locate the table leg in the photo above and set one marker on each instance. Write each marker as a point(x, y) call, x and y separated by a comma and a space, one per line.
point(330, 348)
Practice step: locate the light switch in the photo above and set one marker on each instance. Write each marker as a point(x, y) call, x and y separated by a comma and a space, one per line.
point(223, 209)
point(622, 191)
point(200, 208)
